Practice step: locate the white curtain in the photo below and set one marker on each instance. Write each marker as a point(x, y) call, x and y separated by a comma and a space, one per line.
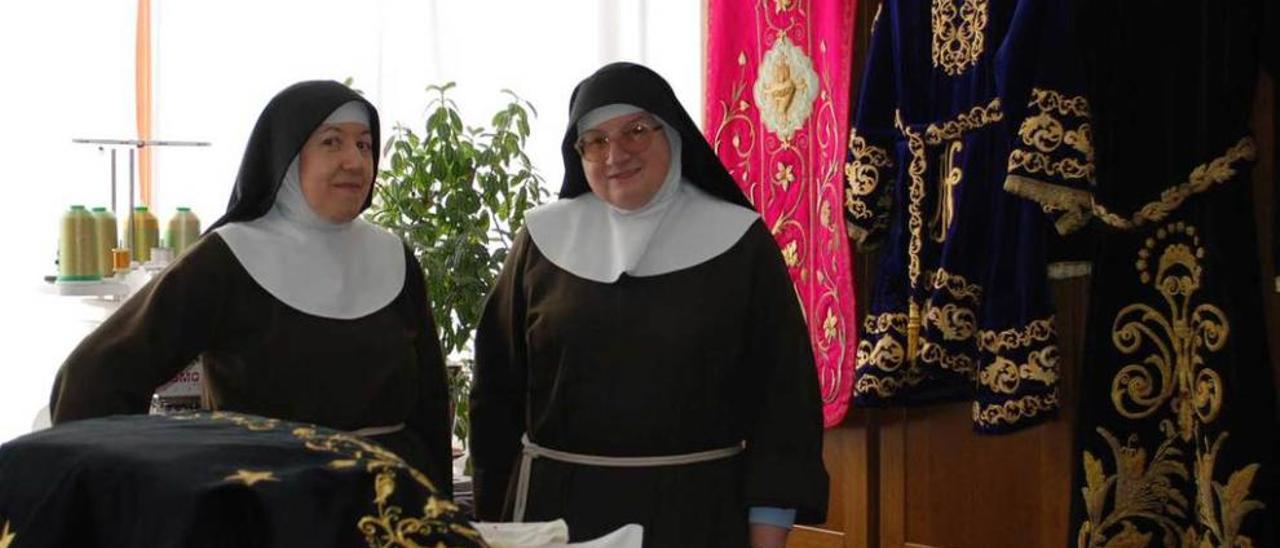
point(68, 69)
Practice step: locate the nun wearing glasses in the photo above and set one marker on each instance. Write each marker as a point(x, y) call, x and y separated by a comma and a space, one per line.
point(643, 357)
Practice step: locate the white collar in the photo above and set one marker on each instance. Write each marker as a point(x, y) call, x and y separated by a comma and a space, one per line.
point(590, 239)
point(333, 270)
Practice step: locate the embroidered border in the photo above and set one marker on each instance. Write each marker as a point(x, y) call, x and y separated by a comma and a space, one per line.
point(1017, 411)
point(1220, 170)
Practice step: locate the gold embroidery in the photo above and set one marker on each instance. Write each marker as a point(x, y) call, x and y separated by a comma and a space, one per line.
point(886, 355)
point(1218, 171)
point(7, 536)
point(933, 134)
point(951, 176)
point(1044, 133)
point(934, 353)
point(1014, 411)
point(862, 172)
point(1003, 376)
point(785, 88)
point(915, 169)
point(789, 255)
point(249, 477)
point(956, 323)
point(784, 176)
point(1173, 371)
point(957, 286)
point(829, 325)
point(1074, 202)
point(957, 47)
point(977, 117)
point(780, 6)
point(1030, 161)
point(1195, 397)
point(1036, 331)
point(392, 526)
point(1141, 489)
point(1222, 508)
point(1147, 491)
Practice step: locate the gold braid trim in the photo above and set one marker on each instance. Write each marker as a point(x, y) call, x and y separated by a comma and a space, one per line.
point(1075, 204)
point(1217, 171)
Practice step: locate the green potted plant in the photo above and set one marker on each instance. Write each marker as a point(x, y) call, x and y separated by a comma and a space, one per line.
point(457, 194)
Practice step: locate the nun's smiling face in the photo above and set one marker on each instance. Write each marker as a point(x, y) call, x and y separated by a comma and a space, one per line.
point(336, 168)
point(625, 159)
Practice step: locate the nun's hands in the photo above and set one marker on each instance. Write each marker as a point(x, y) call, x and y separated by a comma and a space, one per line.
point(767, 536)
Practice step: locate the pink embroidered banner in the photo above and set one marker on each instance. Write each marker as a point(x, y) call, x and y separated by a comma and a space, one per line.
point(777, 111)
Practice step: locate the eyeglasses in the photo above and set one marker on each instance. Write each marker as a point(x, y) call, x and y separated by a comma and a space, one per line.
point(635, 137)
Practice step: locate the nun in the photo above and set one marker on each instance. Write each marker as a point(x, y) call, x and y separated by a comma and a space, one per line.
point(643, 357)
point(297, 308)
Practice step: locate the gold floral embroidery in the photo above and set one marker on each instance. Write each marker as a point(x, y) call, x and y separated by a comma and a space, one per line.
point(1173, 371)
point(6, 535)
point(957, 286)
point(934, 353)
point(862, 172)
point(1221, 508)
point(250, 477)
point(780, 6)
point(1046, 130)
point(1014, 411)
point(829, 325)
point(1148, 492)
point(1036, 331)
point(789, 255)
point(1003, 376)
point(954, 322)
point(1195, 396)
point(1217, 171)
point(392, 526)
point(1142, 489)
point(886, 355)
point(957, 47)
point(784, 176)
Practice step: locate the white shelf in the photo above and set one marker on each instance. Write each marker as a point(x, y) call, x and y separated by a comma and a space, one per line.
point(102, 288)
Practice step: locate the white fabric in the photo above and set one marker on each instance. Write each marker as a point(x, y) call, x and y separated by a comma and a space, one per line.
point(680, 227)
point(554, 534)
point(333, 270)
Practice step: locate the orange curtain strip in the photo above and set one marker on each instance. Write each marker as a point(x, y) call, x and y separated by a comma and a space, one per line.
point(142, 94)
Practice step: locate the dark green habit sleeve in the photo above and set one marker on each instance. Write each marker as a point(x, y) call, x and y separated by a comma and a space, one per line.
point(154, 335)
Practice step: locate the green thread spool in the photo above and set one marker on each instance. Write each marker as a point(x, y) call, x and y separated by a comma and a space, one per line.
point(184, 230)
point(106, 233)
point(143, 233)
point(77, 258)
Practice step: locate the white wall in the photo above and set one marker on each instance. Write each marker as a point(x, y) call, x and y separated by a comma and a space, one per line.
point(68, 72)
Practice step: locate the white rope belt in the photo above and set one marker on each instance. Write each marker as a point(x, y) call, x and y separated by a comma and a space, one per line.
point(533, 450)
point(370, 431)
